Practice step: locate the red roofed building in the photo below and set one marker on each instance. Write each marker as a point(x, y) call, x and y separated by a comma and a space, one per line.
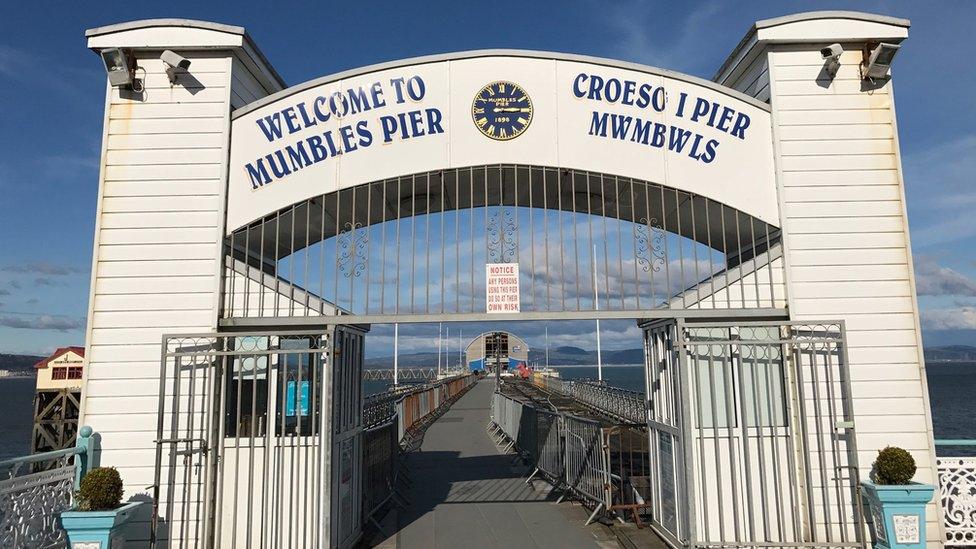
point(64, 369)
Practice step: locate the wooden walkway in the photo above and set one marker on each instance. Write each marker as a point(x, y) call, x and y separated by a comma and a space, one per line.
point(465, 494)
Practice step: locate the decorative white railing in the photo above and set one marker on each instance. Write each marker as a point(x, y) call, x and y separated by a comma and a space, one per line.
point(957, 489)
point(35, 489)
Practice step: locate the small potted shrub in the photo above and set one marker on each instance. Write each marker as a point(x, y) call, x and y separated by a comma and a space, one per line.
point(896, 503)
point(98, 514)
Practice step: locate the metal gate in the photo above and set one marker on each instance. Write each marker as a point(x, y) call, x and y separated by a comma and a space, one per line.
point(258, 440)
point(751, 435)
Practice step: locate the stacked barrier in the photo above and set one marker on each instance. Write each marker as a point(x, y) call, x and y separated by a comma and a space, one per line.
point(379, 466)
point(604, 465)
point(418, 408)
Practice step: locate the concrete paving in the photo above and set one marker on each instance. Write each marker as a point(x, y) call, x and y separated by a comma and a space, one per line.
point(465, 494)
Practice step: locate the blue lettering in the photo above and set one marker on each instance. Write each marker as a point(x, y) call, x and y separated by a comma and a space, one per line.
point(434, 121)
point(578, 85)
point(679, 138)
point(320, 113)
point(598, 125)
point(280, 168)
point(643, 96)
point(258, 173)
point(358, 102)
point(298, 156)
point(389, 125)
point(741, 123)
point(612, 90)
point(416, 88)
point(398, 89)
point(290, 118)
point(347, 143)
point(619, 124)
point(308, 121)
point(318, 151)
point(365, 136)
point(376, 93)
point(271, 126)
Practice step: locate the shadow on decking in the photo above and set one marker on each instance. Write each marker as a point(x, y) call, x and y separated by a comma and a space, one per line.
point(443, 477)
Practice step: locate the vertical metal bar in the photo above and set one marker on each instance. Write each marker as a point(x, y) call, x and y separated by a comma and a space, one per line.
point(576, 237)
point(591, 247)
point(369, 234)
point(532, 236)
point(738, 246)
point(562, 265)
point(731, 425)
point(322, 257)
point(353, 251)
point(772, 412)
point(443, 217)
point(383, 254)
point(686, 427)
point(694, 251)
point(427, 249)
point(545, 223)
point(746, 454)
point(606, 237)
point(413, 241)
point(728, 264)
point(681, 249)
point(305, 285)
point(338, 246)
point(711, 252)
point(698, 438)
point(760, 444)
point(635, 221)
point(291, 266)
point(755, 264)
point(719, 463)
point(620, 254)
point(818, 429)
point(667, 254)
point(399, 193)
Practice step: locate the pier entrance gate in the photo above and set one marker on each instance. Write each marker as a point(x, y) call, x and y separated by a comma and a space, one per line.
point(505, 186)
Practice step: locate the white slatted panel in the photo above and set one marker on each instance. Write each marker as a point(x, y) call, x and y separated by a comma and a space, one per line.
point(157, 264)
point(847, 239)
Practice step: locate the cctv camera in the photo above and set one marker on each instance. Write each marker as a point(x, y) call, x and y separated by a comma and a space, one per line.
point(832, 51)
point(175, 60)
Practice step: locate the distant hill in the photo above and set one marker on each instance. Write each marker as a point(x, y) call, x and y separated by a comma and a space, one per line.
point(950, 353)
point(21, 364)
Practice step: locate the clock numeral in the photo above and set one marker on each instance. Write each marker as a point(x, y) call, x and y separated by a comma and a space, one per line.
point(522, 121)
point(481, 122)
point(501, 87)
point(491, 130)
point(502, 132)
point(479, 110)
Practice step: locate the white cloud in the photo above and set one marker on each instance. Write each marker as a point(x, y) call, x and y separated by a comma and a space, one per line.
point(960, 318)
point(936, 280)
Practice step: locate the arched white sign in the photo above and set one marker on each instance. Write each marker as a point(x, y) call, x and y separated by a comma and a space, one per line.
point(501, 107)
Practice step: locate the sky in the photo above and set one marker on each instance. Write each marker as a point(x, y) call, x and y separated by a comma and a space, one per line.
point(52, 92)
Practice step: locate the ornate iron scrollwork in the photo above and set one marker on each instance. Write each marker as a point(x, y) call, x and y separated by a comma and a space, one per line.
point(352, 242)
point(30, 505)
point(502, 235)
point(649, 238)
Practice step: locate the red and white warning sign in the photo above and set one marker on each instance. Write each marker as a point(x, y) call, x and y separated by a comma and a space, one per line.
point(502, 294)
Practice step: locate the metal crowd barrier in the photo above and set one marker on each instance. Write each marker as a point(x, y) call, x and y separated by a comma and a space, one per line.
point(380, 451)
point(605, 465)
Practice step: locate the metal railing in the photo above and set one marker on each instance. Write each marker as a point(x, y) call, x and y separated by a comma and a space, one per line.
point(35, 489)
point(414, 246)
point(957, 492)
point(586, 459)
point(416, 409)
point(620, 404)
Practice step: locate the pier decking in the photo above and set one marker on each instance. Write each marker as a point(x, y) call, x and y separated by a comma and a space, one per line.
point(464, 493)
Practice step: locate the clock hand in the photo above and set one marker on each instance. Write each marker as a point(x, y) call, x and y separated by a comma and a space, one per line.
point(512, 109)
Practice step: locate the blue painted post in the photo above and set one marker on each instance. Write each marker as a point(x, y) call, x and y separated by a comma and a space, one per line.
point(84, 456)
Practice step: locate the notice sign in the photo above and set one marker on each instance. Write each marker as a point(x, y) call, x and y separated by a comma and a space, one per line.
point(502, 294)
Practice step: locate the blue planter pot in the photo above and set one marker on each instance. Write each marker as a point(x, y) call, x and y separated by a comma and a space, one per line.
point(101, 527)
point(898, 513)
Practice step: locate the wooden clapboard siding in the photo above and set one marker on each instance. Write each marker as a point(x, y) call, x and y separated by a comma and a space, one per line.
point(846, 232)
point(157, 261)
point(157, 240)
